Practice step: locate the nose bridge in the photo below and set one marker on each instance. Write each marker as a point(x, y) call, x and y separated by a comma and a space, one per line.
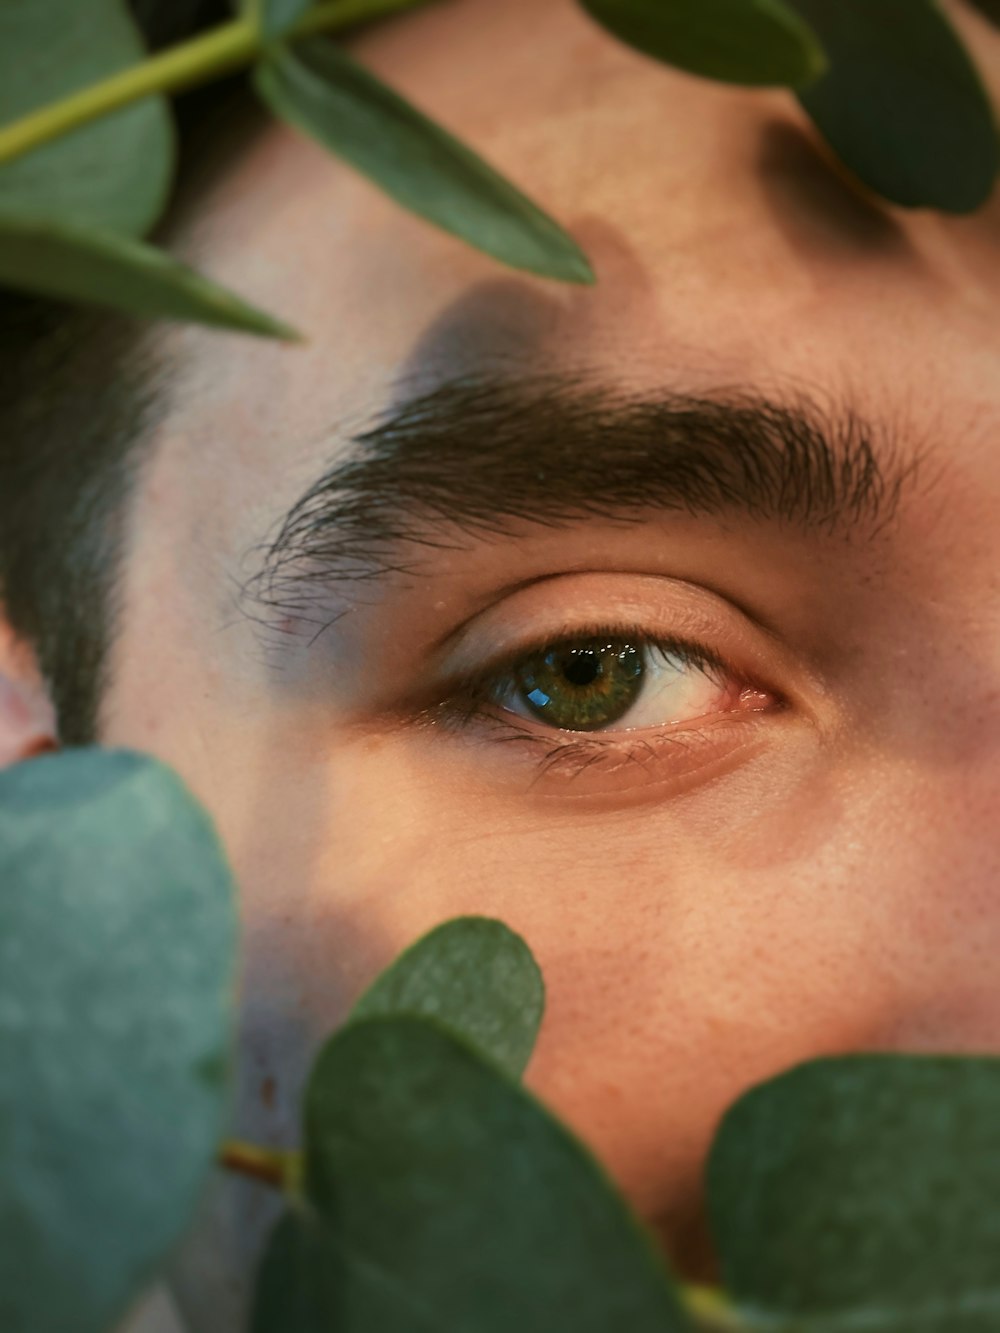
point(940, 833)
point(944, 780)
point(935, 712)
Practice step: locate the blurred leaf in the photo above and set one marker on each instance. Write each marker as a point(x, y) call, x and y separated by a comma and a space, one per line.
point(277, 16)
point(862, 1191)
point(75, 264)
point(117, 938)
point(477, 978)
point(318, 89)
point(114, 173)
point(738, 41)
point(902, 104)
point(441, 1196)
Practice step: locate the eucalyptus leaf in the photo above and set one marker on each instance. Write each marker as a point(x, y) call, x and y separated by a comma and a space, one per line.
point(115, 172)
point(476, 977)
point(324, 93)
point(77, 264)
point(902, 104)
point(277, 16)
point(117, 940)
point(755, 42)
point(861, 1191)
point(439, 1195)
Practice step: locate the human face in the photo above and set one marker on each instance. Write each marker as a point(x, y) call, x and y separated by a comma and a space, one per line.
point(790, 848)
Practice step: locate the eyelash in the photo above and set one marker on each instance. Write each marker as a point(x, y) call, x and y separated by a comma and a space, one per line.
point(471, 699)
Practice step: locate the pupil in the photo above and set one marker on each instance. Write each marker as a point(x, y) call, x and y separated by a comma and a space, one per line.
point(583, 668)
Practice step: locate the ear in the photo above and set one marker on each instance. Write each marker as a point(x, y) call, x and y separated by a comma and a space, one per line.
point(27, 719)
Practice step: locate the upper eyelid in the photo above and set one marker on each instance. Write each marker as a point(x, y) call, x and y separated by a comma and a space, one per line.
point(653, 606)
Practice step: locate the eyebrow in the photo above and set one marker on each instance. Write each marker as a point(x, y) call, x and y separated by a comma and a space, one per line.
point(478, 457)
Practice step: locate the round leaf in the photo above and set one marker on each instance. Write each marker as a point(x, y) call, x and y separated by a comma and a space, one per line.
point(441, 1196)
point(321, 91)
point(116, 958)
point(476, 977)
point(76, 264)
point(861, 1191)
point(901, 103)
point(756, 42)
point(114, 173)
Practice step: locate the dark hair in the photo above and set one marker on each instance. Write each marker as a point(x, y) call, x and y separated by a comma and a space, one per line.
point(78, 396)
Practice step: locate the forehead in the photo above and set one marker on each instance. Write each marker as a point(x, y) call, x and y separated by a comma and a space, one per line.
point(696, 201)
point(728, 251)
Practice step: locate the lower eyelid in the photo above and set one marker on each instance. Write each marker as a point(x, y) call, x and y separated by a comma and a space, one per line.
point(620, 746)
point(654, 763)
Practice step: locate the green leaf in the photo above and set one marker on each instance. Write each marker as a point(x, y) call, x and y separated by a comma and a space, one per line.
point(75, 264)
point(902, 104)
point(862, 1191)
point(756, 42)
point(277, 16)
point(280, 15)
point(477, 978)
point(117, 938)
point(441, 1196)
point(320, 90)
point(114, 173)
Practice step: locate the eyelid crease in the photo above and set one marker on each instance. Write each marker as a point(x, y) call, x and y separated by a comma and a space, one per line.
point(500, 595)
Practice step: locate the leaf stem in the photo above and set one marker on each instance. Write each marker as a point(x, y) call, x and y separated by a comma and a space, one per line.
point(270, 1166)
point(208, 56)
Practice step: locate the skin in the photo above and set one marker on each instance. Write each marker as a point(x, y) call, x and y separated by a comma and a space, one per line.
point(820, 880)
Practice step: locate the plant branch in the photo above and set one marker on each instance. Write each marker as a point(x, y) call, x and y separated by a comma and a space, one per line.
point(270, 1166)
point(204, 58)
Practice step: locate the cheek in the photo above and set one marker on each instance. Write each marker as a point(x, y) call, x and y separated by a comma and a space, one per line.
point(669, 998)
point(709, 961)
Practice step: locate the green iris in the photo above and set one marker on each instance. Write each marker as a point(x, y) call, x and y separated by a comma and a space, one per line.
point(582, 686)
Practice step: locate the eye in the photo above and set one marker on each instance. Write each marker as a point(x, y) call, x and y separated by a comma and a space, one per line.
point(613, 683)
